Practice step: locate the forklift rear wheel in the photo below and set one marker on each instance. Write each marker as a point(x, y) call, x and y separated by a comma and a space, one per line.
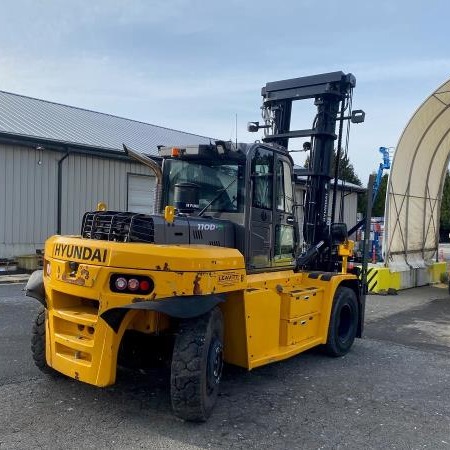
point(197, 366)
point(343, 322)
point(38, 343)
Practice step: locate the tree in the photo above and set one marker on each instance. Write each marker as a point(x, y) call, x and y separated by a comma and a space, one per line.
point(346, 173)
point(346, 169)
point(445, 209)
point(380, 201)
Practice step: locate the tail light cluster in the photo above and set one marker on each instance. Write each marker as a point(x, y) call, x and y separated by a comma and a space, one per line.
point(131, 284)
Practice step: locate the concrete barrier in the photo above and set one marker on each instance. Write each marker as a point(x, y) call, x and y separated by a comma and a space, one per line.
point(381, 280)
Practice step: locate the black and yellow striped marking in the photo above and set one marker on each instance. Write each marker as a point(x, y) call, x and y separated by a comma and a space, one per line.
point(372, 279)
point(381, 280)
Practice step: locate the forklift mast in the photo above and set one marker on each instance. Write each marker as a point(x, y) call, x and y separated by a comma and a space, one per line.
point(331, 92)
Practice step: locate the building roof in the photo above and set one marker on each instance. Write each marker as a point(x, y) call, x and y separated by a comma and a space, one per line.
point(344, 185)
point(27, 117)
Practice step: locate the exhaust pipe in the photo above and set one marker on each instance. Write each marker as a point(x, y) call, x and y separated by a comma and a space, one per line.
point(147, 161)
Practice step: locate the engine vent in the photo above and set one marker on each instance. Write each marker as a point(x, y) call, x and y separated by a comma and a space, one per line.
point(197, 234)
point(215, 243)
point(118, 226)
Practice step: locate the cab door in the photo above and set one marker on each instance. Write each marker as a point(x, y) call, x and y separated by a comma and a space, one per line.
point(285, 227)
point(260, 232)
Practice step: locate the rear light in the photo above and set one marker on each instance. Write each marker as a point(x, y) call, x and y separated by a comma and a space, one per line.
point(121, 283)
point(131, 284)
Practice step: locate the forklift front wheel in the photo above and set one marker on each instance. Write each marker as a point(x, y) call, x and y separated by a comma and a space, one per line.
point(343, 322)
point(197, 366)
point(38, 344)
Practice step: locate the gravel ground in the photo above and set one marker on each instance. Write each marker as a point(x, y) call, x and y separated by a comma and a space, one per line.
point(391, 391)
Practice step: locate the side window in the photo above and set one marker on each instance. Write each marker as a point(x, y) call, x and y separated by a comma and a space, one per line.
point(288, 194)
point(284, 243)
point(262, 173)
point(284, 187)
point(280, 186)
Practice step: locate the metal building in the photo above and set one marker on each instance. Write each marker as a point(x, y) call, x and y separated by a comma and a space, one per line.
point(347, 196)
point(57, 162)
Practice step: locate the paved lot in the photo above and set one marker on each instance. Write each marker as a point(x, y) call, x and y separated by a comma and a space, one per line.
point(391, 391)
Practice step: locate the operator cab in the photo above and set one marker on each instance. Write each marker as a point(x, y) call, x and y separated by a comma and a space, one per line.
point(249, 185)
point(204, 181)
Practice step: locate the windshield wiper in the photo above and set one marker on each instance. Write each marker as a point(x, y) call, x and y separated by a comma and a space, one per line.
point(216, 197)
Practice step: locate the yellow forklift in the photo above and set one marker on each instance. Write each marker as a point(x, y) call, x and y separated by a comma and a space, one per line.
point(218, 273)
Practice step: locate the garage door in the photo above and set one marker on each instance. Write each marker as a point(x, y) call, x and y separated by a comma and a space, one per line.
point(141, 191)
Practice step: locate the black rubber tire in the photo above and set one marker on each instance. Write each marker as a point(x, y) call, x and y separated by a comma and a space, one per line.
point(343, 322)
point(197, 363)
point(38, 343)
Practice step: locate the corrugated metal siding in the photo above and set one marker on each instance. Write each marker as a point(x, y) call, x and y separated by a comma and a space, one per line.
point(27, 198)
point(87, 181)
point(28, 194)
point(350, 207)
point(351, 210)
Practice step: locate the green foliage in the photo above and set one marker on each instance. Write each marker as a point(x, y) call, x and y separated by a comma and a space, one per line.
point(380, 201)
point(444, 225)
point(346, 173)
point(346, 169)
point(362, 203)
point(445, 204)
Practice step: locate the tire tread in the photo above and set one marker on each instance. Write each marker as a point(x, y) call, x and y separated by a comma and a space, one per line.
point(38, 344)
point(187, 360)
point(332, 347)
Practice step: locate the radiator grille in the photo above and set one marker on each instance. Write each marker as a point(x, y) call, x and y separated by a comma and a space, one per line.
point(118, 226)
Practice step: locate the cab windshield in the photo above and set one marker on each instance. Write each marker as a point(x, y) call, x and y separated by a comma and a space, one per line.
point(220, 183)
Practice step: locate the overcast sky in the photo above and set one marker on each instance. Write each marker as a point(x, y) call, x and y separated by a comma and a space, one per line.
point(193, 65)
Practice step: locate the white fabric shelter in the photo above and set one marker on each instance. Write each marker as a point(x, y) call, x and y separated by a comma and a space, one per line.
point(415, 185)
